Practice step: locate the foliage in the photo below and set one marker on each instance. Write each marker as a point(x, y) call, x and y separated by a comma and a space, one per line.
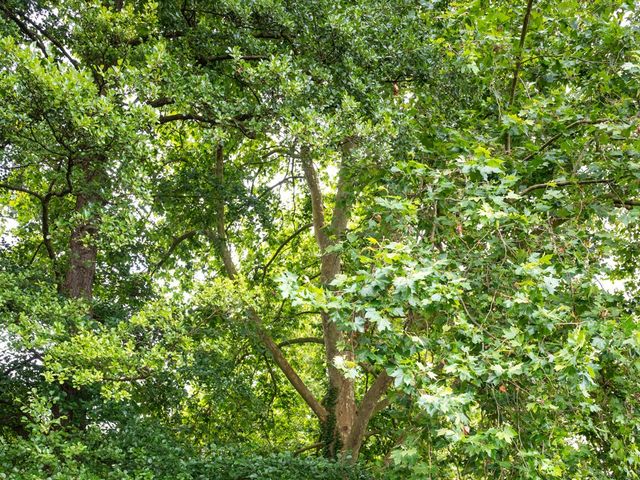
point(403, 234)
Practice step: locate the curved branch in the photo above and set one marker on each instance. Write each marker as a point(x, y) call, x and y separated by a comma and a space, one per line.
point(557, 136)
point(282, 245)
point(56, 43)
point(25, 30)
point(563, 183)
point(301, 340)
point(19, 188)
point(174, 244)
point(44, 217)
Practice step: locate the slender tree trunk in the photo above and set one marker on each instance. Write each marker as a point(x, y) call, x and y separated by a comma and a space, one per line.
point(231, 271)
point(83, 251)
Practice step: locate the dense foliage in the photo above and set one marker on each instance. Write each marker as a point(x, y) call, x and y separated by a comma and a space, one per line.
point(319, 239)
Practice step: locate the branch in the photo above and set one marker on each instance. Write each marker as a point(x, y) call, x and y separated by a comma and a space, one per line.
point(555, 138)
point(317, 205)
point(282, 245)
point(277, 184)
point(301, 340)
point(516, 70)
point(21, 363)
point(381, 405)
point(221, 235)
point(25, 30)
point(235, 122)
point(46, 238)
point(366, 410)
point(627, 203)
point(18, 188)
point(523, 36)
point(56, 43)
point(313, 446)
point(288, 370)
point(232, 272)
point(186, 116)
point(44, 218)
point(174, 244)
point(161, 102)
point(564, 183)
point(342, 207)
point(204, 61)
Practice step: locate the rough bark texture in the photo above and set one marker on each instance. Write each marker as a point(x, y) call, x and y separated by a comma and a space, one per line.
point(83, 251)
point(80, 275)
point(345, 429)
point(342, 407)
point(367, 408)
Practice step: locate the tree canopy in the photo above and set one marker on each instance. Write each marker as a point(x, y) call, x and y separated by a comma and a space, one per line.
point(319, 239)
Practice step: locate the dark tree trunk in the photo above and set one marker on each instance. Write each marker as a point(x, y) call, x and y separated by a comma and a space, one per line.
point(83, 251)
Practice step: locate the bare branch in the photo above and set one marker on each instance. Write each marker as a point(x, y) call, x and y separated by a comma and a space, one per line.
point(366, 409)
point(313, 446)
point(301, 340)
point(563, 183)
point(232, 271)
point(186, 116)
point(221, 234)
point(518, 66)
point(555, 138)
point(161, 102)
point(174, 244)
point(282, 245)
point(317, 205)
point(288, 370)
point(627, 203)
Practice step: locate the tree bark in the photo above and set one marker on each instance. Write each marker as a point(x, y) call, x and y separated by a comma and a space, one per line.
point(83, 251)
point(231, 272)
point(80, 275)
point(342, 403)
point(367, 408)
point(347, 421)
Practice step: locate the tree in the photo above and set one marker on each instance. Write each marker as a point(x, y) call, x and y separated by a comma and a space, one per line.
point(407, 210)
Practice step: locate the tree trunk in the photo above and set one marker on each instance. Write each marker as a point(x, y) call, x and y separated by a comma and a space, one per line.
point(80, 275)
point(345, 428)
point(78, 282)
point(83, 251)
